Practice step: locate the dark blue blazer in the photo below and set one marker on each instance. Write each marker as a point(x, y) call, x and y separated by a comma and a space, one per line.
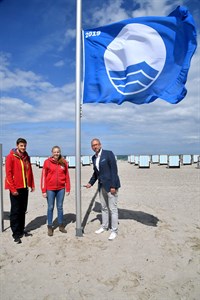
point(107, 175)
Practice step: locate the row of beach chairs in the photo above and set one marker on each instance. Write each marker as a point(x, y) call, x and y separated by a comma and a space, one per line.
point(39, 161)
point(142, 161)
point(172, 161)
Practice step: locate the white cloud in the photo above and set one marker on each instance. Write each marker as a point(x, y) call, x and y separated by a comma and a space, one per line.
point(17, 79)
point(155, 7)
point(59, 63)
point(110, 12)
point(14, 110)
point(70, 35)
point(37, 101)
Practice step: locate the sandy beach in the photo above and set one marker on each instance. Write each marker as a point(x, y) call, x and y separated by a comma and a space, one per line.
point(155, 256)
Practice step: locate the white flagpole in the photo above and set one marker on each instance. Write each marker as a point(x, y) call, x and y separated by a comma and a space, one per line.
point(79, 231)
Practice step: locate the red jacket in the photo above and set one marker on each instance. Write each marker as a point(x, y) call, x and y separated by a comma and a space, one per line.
point(54, 176)
point(19, 172)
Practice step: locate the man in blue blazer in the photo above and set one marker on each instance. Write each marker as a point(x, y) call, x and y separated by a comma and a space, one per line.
point(105, 171)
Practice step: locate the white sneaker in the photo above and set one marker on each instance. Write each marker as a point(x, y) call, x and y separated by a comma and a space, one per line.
point(112, 236)
point(100, 230)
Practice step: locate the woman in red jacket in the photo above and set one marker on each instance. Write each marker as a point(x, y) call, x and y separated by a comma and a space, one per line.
point(55, 181)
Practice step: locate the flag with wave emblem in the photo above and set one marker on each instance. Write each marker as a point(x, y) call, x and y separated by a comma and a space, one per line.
point(139, 60)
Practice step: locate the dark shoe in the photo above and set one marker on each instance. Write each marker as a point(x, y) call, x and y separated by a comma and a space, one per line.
point(26, 233)
point(50, 230)
point(17, 240)
point(62, 228)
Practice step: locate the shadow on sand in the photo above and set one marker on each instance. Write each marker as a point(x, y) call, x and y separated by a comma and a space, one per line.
point(124, 214)
point(42, 220)
point(139, 216)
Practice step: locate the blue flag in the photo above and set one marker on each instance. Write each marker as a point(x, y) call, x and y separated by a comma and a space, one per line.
point(139, 60)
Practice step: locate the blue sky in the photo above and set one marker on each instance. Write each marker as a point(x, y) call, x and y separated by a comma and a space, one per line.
point(37, 83)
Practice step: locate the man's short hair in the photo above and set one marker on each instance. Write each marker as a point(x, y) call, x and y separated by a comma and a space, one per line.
point(95, 139)
point(21, 140)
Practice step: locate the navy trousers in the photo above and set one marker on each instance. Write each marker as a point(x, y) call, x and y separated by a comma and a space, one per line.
point(17, 212)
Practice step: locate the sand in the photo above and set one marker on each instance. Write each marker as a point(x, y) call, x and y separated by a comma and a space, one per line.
point(155, 255)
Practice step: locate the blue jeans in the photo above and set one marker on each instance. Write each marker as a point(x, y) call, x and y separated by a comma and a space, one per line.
point(51, 196)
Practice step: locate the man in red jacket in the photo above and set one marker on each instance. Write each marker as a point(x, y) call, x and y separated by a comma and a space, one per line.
point(19, 177)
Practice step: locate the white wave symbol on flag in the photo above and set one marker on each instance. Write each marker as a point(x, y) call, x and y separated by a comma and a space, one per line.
point(134, 79)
